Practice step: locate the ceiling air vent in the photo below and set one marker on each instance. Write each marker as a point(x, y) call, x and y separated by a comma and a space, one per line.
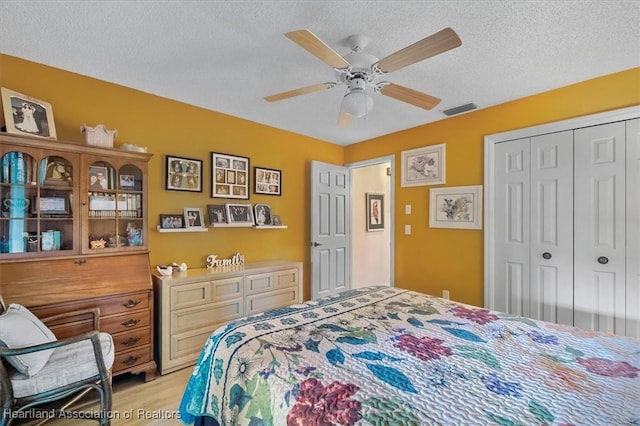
point(459, 109)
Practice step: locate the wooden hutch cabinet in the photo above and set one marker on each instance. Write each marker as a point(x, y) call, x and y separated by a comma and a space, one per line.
point(73, 234)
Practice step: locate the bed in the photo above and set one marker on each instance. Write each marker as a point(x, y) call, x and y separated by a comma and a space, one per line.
point(382, 356)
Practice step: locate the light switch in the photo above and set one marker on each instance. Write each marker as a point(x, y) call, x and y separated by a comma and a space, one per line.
point(407, 230)
point(407, 209)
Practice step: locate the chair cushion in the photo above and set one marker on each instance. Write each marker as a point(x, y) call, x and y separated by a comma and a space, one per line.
point(68, 364)
point(18, 328)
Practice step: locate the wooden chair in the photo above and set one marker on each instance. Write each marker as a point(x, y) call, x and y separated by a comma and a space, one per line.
point(76, 366)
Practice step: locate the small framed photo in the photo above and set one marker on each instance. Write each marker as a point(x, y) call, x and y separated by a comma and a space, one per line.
point(267, 181)
point(217, 213)
point(262, 214)
point(375, 212)
point(98, 178)
point(424, 166)
point(239, 213)
point(127, 181)
point(458, 207)
point(229, 176)
point(193, 218)
point(183, 174)
point(275, 220)
point(25, 115)
point(171, 221)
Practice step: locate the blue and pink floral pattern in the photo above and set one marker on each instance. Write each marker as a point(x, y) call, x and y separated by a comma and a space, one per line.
point(383, 355)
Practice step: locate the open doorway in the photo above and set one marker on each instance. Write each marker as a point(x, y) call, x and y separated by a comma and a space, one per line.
point(371, 236)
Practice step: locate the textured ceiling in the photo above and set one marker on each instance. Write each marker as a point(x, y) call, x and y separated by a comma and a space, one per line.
point(227, 55)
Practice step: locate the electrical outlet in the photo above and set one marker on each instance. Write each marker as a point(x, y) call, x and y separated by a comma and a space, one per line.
point(445, 294)
point(407, 209)
point(407, 230)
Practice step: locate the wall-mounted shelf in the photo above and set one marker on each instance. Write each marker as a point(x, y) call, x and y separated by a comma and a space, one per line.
point(232, 225)
point(271, 226)
point(181, 229)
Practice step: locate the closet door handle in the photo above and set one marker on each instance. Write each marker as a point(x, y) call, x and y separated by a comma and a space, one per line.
point(603, 260)
point(546, 255)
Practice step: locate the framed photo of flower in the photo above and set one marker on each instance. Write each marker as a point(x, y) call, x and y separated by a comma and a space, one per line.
point(229, 176)
point(458, 207)
point(424, 166)
point(183, 174)
point(28, 116)
point(267, 181)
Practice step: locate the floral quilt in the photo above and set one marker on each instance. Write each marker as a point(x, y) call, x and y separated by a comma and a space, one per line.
point(387, 356)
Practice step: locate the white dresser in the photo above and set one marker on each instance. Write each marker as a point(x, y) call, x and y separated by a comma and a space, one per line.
point(191, 305)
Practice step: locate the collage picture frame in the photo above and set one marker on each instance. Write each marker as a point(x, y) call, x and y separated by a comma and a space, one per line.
point(229, 176)
point(183, 174)
point(267, 181)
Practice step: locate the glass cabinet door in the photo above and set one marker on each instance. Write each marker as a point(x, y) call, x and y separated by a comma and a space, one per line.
point(37, 211)
point(115, 200)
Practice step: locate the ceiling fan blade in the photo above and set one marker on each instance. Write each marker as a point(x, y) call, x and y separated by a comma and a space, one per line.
point(435, 44)
point(312, 44)
point(301, 91)
point(410, 96)
point(344, 119)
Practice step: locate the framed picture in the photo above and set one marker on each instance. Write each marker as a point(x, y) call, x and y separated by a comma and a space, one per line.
point(51, 206)
point(98, 178)
point(183, 174)
point(217, 213)
point(375, 212)
point(267, 181)
point(171, 221)
point(229, 176)
point(239, 213)
point(424, 166)
point(275, 220)
point(458, 207)
point(262, 214)
point(25, 115)
point(127, 181)
point(193, 218)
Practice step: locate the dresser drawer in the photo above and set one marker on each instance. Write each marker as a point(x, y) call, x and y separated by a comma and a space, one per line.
point(125, 322)
point(259, 283)
point(205, 315)
point(195, 294)
point(124, 303)
point(286, 278)
point(128, 359)
point(274, 299)
point(132, 339)
point(189, 344)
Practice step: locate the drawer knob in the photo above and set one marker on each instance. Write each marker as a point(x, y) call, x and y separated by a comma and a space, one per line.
point(131, 322)
point(131, 341)
point(131, 360)
point(131, 303)
point(80, 262)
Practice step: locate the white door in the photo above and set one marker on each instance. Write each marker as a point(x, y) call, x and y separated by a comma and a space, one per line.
point(600, 239)
point(633, 228)
point(330, 229)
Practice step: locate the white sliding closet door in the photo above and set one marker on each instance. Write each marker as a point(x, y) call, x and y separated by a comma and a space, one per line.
point(600, 242)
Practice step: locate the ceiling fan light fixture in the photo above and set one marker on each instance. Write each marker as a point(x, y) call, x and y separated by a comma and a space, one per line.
point(357, 103)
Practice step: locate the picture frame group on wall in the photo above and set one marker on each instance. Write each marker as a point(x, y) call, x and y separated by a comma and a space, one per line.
point(25, 115)
point(267, 181)
point(424, 166)
point(375, 212)
point(239, 213)
point(229, 176)
point(183, 174)
point(193, 218)
point(457, 207)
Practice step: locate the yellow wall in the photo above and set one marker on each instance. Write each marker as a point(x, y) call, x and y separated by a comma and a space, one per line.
point(430, 259)
point(172, 128)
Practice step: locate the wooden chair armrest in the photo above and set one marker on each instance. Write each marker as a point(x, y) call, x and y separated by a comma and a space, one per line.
point(93, 312)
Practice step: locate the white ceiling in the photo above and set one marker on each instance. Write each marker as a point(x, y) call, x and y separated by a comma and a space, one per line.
point(227, 55)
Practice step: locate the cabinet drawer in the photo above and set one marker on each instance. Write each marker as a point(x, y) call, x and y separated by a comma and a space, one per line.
point(124, 303)
point(125, 322)
point(286, 278)
point(132, 339)
point(183, 296)
point(190, 343)
point(205, 316)
point(259, 283)
point(274, 299)
point(128, 359)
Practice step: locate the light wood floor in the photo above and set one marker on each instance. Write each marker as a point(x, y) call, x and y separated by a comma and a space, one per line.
point(136, 402)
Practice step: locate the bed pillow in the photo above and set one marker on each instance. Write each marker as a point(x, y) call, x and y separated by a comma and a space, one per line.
point(18, 328)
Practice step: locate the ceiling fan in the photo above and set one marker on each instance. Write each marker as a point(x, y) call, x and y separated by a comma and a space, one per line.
point(359, 71)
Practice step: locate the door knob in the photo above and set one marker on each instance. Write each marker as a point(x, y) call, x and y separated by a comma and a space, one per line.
point(546, 255)
point(603, 260)
point(315, 244)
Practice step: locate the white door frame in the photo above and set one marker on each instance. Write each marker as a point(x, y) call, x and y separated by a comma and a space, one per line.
point(489, 143)
point(372, 162)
